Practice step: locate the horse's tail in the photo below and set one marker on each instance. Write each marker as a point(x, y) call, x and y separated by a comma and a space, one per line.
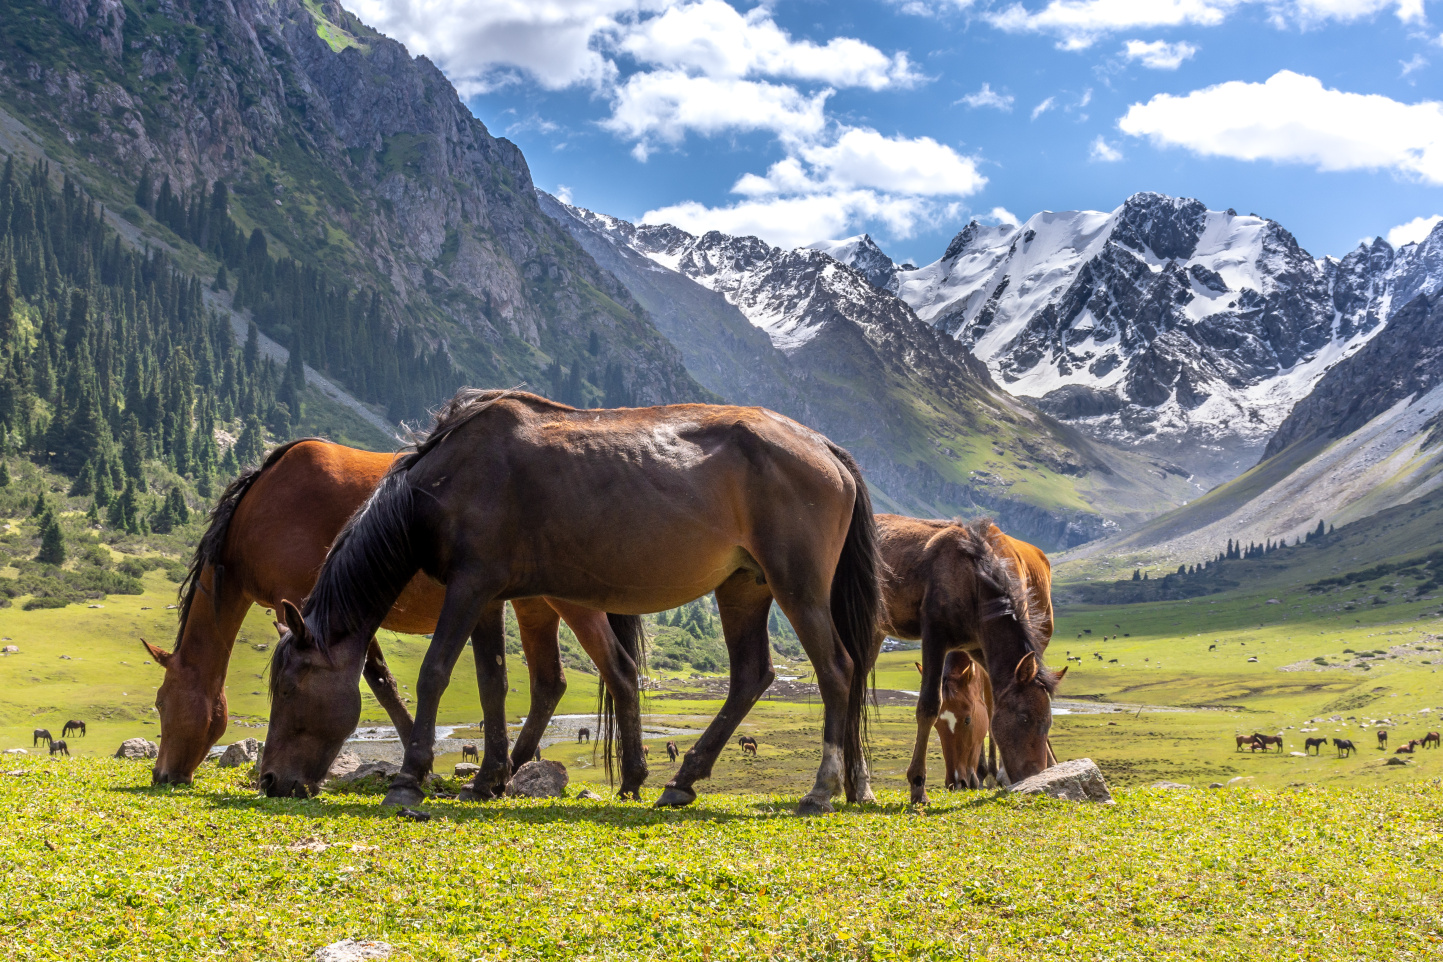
point(212, 543)
point(856, 604)
point(632, 636)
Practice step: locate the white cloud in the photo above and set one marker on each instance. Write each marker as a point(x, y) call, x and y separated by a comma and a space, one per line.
point(798, 220)
point(563, 193)
point(1418, 62)
point(1043, 107)
point(987, 97)
point(1104, 152)
point(862, 157)
point(712, 38)
point(1413, 231)
point(1003, 216)
point(665, 104)
point(1079, 24)
point(1159, 54)
point(1293, 118)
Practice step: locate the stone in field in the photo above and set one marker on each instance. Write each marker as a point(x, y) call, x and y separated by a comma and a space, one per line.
point(1215, 785)
point(352, 950)
point(16, 751)
point(1173, 785)
point(467, 769)
point(11, 649)
point(247, 751)
point(1079, 780)
point(137, 748)
point(1239, 782)
point(1395, 760)
point(589, 795)
point(345, 764)
point(543, 779)
point(1298, 754)
point(382, 769)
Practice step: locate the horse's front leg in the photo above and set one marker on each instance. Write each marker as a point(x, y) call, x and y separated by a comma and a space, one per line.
point(929, 705)
point(488, 648)
point(465, 602)
point(383, 685)
point(538, 621)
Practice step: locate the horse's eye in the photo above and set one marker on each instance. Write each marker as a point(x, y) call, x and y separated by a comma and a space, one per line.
point(967, 720)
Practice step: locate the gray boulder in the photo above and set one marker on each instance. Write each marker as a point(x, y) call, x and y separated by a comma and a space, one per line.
point(1177, 786)
point(379, 769)
point(588, 795)
point(467, 769)
point(247, 751)
point(1079, 780)
point(352, 950)
point(137, 748)
point(543, 779)
point(1396, 760)
point(345, 764)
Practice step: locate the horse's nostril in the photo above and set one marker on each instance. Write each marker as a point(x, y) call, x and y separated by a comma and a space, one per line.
point(268, 782)
point(155, 778)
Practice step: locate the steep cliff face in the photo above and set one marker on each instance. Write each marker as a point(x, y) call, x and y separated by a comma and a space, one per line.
point(351, 155)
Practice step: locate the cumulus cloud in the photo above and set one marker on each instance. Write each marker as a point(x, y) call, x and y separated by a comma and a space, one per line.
point(665, 104)
point(1159, 54)
point(1293, 118)
point(795, 221)
point(862, 157)
point(1104, 152)
point(1418, 62)
point(1413, 231)
point(1003, 216)
point(987, 97)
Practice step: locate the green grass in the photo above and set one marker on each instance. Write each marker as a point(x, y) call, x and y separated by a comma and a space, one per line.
point(99, 866)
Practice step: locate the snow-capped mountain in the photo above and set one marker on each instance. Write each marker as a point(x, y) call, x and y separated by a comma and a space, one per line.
point(1189, 331)
point(862, 254)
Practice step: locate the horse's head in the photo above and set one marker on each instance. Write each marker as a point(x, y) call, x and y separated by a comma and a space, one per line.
point(192, 711)
point(315, 704)
point(1022, 717)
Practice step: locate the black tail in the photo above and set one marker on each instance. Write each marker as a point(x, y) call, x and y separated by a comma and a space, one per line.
point(212, 543)
point(856, 604)
point(632, 636)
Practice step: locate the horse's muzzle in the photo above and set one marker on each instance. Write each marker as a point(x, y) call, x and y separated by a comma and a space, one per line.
point(273, 786)
point(158, 777)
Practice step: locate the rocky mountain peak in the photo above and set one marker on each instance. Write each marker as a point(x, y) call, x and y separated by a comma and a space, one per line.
point(862, 254)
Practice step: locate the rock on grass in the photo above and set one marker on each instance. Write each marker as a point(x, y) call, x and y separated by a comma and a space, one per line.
point(543, 779)
point(137, 748)
point(1079, 780)
point(247, 751)
point(352, 950)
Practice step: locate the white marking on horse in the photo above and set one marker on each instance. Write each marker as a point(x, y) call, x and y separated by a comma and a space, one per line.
point(950, 719)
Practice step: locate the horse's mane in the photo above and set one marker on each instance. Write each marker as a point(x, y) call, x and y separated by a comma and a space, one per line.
point(1013, 598)
point(212, 543)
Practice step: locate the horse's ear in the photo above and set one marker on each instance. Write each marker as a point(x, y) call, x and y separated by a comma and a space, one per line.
point(1026, 671)
point(1063, 673)
point(291, 618)
point(967, 672)
point(918, 667)
point(161, 656)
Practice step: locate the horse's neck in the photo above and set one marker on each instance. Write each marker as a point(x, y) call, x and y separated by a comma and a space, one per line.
point(211, 627)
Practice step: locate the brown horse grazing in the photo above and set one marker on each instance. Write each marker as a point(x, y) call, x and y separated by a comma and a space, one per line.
point(672, 752)
point(748, 745)
point(1382, 739)
point(267, 538)
point(1344, 746)
point(41, 735)
point(1314, 743)
point(972, 588)
point(73, 726)
point(631, 510)
point(583, 735)
point(1431, 740)
point(469, 751)
point(1265, 740)
point(58, 747)
point(963, 721)
point(1246, 740)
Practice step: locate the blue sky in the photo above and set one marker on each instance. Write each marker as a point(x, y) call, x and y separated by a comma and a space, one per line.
point(805, 119)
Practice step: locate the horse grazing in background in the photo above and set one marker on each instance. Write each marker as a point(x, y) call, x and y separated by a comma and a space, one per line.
point(583, 735)
point(1246, 740)
point(1382, 739)
point(41, 735)
point(268, 536)
point(970, 587)
point(469, 751)
point(1431, 740)
point(521, 501)
point(1265, 740)
point(58, 747)
point(748, 745)
point(672, 752)
point(1344, 746)
point(1314, 743)
point(71, 727)
point(963, 721)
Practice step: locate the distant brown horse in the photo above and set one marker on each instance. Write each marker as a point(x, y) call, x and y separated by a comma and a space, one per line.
point(1431, 740)
point(963, 720)
point(469, 751)
point(583, 735)
point(1245, 740)
point(41, 735)
point(1266, 740)
point(748, 745)
point(1314, 743)
point(268, 536)
point(971, 587)
point(73, 726)
point(633, 510)
point(58, 747)
point(1407, 749)
point(1382, 739)
point(672, 752)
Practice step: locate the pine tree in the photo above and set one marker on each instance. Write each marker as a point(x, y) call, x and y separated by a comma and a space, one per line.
point(1136, 574)
point(222, 282)
point(52, 541)
point(4, 475)
point(144, 191)
point(594, 347)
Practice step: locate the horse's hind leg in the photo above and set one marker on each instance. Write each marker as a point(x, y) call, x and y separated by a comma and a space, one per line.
point(488, 649)
point(619, 674)
point(744, 607)
point(538, 623)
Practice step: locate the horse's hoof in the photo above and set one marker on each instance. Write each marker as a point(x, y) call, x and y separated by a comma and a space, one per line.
point(812, 805)
point(404, 796)
point(675, 797)
point(919, 795)
point(867, 797)
point(471, 793)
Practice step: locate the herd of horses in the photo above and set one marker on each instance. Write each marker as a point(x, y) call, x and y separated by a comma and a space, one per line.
point(596, 517)
point(57, 746)
point(1343, 747)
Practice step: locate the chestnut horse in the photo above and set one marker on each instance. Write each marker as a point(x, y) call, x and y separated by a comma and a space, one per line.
point(970, 587)
point(633, 510)
point(963, 721)
point(268, 536)
point(1432, 740)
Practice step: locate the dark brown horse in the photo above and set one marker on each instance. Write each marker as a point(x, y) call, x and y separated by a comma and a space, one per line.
point(748, 745)
point(267, 539)
point(969, 587)
point(1431, 740)
point(469, 751)
point(1314, 743)
point(40, 735)
point(963, 720)
point(1344, 746)
point(58, 747)
point(1382, 739)
point(583, 735)
point(73, 726)
point(1264, 741)
point(672, 752)
point(633, 510)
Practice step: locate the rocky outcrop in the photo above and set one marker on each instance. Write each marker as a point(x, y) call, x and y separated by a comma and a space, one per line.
point(137, 748)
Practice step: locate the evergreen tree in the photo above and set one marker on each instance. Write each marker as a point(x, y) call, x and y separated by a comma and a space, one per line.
point(4, 475)
point(1136, 574)
point(52, 541)
point(222, 282)
point(594, 346)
